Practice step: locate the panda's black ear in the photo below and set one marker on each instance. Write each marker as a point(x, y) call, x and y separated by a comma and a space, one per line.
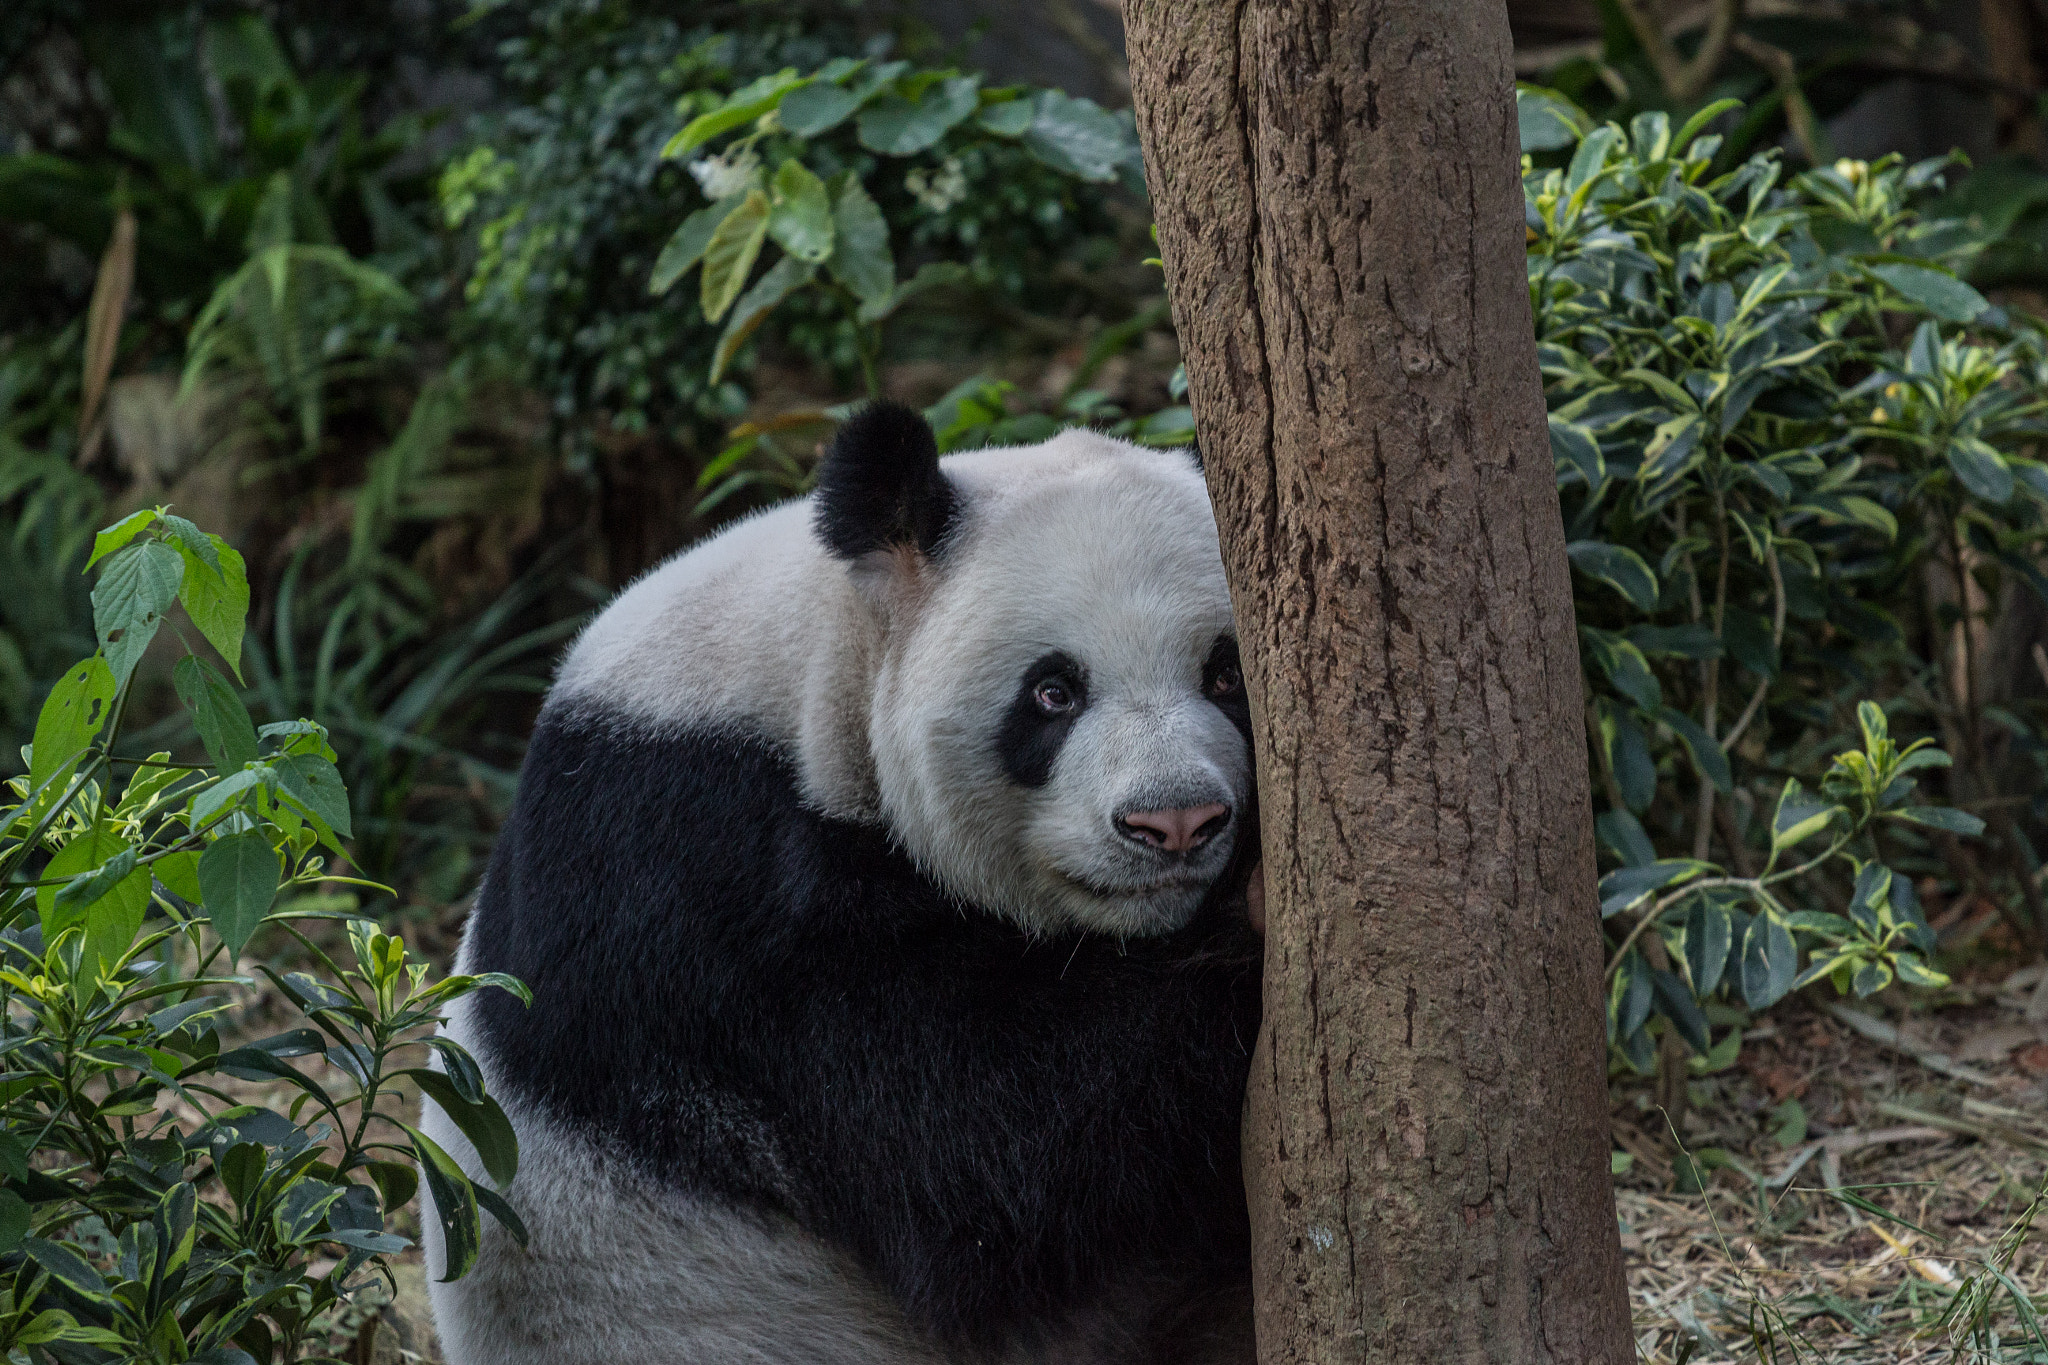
point(880, 485)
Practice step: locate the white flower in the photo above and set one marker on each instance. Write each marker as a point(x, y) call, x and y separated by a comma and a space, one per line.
point(940, 189)
point(719, 178)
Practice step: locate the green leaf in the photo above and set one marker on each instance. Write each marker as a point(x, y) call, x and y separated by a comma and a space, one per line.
point(135, 590)
point(1547, 119)
point(1943, 818)
point(1573, 446)
point(1619, 568)
point(861, 260)
point(1707, 754)
point(1682, 140)
point(217, 713)
point(730, 254)
point(315, 784)
point(1915, 972)
point(67, 1267)
point(1625, 667)
point(1799, 815)
point(1709, 931)
point(1007, 118)
point(1937, 291)
point(743, 106)
point(216, 597)
point(454, 1204)
point(687, 246)
point(70, 720)
point(119, 534)
point(481, 1121)
point(1672, 447)
point(1629, 886)
point(930, 275)
point(1981, 468)
point(14, 1220)
point(238, 879)
point(1078, 136)
point(784, 278)
point(894, 126)
point(817, 108)
point(96, 851)
point(1674, 1001)
point(1770, 961)
point(800, 220)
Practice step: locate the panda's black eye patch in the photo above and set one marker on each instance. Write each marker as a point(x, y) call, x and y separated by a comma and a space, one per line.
point(1052, 692)
point(1223, 683)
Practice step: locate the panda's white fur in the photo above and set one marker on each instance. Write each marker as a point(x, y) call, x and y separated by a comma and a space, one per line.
point(881, 679)
point(1084, 543)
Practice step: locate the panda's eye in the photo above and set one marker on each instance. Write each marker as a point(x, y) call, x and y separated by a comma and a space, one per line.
point(1226, 681)
point(1054, 696)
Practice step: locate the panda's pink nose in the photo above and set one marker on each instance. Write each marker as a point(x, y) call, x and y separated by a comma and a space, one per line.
point(1175, 831)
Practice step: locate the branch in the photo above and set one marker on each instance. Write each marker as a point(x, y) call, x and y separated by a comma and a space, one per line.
point(1785, 73)
point(1683, 79)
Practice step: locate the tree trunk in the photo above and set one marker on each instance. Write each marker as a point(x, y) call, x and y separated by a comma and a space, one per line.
point(1426, 1132)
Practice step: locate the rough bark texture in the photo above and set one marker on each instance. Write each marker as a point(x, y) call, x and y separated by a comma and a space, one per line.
point(1426, 1133)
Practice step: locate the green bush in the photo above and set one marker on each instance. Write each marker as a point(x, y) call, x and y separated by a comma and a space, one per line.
point(1782, 424)
point(145, 1213)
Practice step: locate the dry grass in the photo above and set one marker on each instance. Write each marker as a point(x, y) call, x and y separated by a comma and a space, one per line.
point(1944, 1133)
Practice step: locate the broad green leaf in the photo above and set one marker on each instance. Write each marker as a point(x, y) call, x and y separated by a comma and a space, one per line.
point(743, 106)
point(1671, 447)
point(67, 1267)
point(1708, 936)
point(784, 278)
point(1625, 667)
point(187, 536)
point(316, 784)
point(230, 791)
point(1800, 815)
point(454, 1204)
point(179, 872)
point(135, 590)
point(1693, 640)
point(14, 1220)
point(481, 1121)
point(217, 713)
point(1915, 972)
point(1674, 1001)
point(730, 254)
point(99, 850)
point(119, 534)
point(930, 275)
point(1078, 136)
point(1572, 446)
point(861, 260)
point(1619, 568)
point(217, 598)
point(1707, 754)
point(817, 108)
point(1981, 468)
point(1682, 140)
point(1547, 119)
point(238, 879)
point(800, 220)
point(1943, 818)
point(1007, 118)
point(1770, 961)
point(1629, 886)
point(1939, 292)
point(69, 722)
point(895, 126)
point(687, 246)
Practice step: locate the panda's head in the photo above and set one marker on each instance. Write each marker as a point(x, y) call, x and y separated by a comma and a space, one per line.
point(1059, 727)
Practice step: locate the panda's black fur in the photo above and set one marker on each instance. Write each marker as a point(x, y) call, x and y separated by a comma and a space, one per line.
point(776, 1008)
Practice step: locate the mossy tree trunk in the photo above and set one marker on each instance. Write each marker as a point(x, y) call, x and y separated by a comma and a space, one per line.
point(1426, 1132)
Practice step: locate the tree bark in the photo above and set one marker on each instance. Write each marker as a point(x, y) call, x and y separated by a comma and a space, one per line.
point(1426, 1131)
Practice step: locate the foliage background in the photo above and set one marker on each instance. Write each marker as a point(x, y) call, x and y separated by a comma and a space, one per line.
point(406, 302)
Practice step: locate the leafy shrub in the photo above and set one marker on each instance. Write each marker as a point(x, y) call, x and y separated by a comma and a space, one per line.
point(571, 208)
point(146, 1214)
point(1792, 452)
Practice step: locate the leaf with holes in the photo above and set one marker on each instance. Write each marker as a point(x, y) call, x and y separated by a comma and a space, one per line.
point(135, 590)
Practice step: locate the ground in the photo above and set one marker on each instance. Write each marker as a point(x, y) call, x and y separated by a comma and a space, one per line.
point(1937, 1116)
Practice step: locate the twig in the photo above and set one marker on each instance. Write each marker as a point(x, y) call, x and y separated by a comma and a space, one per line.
point(1683, 79)
point(1840, 1144)
point(1885, 1035)
point(1785, 73)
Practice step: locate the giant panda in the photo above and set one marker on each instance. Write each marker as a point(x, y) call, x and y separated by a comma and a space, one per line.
point(878, 871)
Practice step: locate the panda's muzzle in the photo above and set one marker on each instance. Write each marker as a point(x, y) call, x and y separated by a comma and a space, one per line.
point(1180, 829)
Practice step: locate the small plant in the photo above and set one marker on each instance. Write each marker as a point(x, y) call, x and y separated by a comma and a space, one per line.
point(146, 1214)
